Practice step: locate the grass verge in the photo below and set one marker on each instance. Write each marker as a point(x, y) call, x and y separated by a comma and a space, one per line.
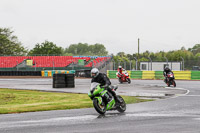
point(18, 101)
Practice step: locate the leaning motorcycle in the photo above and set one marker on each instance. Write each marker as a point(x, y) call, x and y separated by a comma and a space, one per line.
point(104, 101)
point(170, 80)
point(124, 77)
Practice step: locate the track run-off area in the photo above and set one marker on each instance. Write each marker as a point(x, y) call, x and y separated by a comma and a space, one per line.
point(175, 110)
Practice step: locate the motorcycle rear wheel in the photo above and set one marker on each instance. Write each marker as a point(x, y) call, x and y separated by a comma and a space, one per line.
point(120, 80)
point(100, 108)
point(122, 106)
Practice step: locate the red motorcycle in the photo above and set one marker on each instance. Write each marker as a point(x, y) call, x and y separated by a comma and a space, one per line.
point(170, 80)
point(124, 77)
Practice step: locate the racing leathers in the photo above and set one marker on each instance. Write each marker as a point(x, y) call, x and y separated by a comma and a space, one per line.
point(165, 72)
point(104, 81)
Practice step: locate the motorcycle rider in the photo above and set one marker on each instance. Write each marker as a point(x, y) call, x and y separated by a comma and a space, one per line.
point(104, 81)
point(120, 69)
point(165, 72)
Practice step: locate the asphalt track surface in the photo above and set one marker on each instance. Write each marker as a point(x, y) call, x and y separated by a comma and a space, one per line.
point(178, 114)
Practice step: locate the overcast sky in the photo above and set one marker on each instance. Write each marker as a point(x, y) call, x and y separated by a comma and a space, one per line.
point(160, 24)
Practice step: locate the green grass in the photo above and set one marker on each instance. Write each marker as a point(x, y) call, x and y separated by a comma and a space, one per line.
point(18, 101)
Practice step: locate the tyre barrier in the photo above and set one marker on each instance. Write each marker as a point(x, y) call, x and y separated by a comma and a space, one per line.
point(61, 80)
point(20, 73)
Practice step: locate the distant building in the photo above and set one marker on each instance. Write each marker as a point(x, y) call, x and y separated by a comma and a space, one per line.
point(159, 66)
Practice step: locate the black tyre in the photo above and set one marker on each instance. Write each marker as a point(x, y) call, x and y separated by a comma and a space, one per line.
point(128, 80)
point(59, 78)
point(59, 82)
point(59, 86)
point(100, 108)
point(122, 106)
point(69, 79)
point(59, 75)
point(70, 75)
point(70, 82)
point(174, 83)
point(120, 81)
point(70, 85)
point(168, 84)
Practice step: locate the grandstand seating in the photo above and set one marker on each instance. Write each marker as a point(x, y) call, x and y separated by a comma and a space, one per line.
point(48, 61)
point(97, 60)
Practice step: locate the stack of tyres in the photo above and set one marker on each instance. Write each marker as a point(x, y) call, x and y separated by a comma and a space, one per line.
point(59, 81)
point(63, 80)
point(70, 80)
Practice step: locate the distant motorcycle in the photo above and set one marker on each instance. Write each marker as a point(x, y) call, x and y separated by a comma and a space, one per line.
point(170, 80)
point(124, 77)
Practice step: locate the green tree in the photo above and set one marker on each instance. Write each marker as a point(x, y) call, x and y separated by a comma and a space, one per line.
point(98, 49)
point(195, 50)
point(85, 49)
point(46, 48)
point(121, 54)
point(9, 44)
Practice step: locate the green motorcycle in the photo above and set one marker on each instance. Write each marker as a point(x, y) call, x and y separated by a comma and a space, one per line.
point(103, 100)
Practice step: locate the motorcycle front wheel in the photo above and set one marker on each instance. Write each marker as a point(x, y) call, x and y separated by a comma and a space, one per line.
point(168, 84)
point(100, 108)
point(128, 80)
point(174, 83)
point(122, 106)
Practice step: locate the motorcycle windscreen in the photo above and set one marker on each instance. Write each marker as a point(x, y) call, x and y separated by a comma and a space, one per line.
point(170, 73)
point(93, 85)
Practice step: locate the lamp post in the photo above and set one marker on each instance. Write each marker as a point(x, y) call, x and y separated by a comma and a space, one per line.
point(151, 62)
point(138, 51)
point(166, 60)
point(136, 62)
point(183, 63)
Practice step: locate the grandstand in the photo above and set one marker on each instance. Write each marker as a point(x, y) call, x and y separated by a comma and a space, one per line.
point(51, 62)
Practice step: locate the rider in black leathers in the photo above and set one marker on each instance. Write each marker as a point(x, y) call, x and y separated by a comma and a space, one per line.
point(104, 81)
point(165, 72)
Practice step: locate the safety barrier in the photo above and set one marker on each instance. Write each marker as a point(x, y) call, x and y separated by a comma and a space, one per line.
point(182, 75)
point(186, 75)
point(112, 74)
point(49, 73)
point(148, 75)
point(159, 75)
point(20, 73)
point(195, 75)
point(136, 74)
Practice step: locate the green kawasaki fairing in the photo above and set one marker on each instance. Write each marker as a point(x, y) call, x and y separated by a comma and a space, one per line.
point(101, 105)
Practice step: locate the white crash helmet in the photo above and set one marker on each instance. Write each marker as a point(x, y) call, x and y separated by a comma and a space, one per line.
point(94, 71)
point(120, 67)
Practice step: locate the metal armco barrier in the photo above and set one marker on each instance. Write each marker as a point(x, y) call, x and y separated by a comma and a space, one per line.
point(182, 75)
point(63, 80)
point(20, 73)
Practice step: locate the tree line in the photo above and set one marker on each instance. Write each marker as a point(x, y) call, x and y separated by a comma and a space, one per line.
point(10, 45)
point(191, 56)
